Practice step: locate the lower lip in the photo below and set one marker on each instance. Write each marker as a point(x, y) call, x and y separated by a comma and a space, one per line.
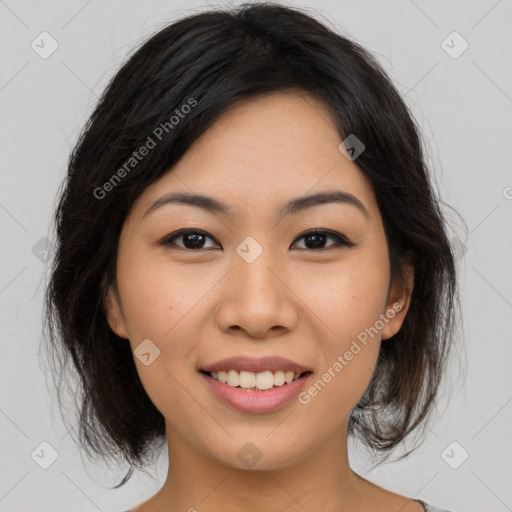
point(257, 401)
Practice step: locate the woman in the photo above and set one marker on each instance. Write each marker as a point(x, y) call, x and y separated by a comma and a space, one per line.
point(252, 267)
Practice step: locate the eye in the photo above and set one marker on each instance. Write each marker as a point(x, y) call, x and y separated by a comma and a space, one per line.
point(316, 239)
point(195, 239)
point(192, 239)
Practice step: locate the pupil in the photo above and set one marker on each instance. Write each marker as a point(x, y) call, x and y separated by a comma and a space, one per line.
point(317, 236)
point(193, 238)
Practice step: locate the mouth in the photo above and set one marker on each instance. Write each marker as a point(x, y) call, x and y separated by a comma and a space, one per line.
point(255, 385)
point(250, 381)
point(253, 399)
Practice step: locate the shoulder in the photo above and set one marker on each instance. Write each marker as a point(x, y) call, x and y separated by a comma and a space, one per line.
point(432, 508)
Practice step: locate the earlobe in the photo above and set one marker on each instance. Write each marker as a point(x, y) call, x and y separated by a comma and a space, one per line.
point(114, 314)
point(398, 305)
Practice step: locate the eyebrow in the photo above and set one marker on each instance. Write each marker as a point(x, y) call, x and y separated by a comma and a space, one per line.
point(294, 206)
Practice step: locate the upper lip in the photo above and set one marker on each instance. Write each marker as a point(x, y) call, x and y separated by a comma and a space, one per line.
point(255, 365)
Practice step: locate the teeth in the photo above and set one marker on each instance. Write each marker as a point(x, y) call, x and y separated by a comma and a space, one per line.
point(233, 378)
point(255, 381)
point(265, 380)
point(246, 380)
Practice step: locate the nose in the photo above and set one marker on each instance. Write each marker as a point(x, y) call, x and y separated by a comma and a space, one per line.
point(257, 299)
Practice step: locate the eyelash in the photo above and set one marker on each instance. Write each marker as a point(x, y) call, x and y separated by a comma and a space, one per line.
point(342, 240)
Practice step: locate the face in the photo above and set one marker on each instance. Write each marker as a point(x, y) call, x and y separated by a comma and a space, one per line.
point(251, 281)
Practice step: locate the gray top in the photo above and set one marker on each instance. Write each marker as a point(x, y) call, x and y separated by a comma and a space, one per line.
point(431, 508)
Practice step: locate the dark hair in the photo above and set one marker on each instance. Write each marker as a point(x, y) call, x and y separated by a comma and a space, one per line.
point(210, 61)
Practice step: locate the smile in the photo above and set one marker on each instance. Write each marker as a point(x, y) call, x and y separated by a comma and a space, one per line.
point(255, 400)
point(255, 381)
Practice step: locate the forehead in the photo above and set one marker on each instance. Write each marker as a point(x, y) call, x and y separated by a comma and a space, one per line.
point(262, 152)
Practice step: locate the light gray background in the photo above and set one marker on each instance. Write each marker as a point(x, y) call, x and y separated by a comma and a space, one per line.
point(463, 107)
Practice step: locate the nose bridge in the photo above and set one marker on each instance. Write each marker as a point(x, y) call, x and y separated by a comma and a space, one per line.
point(252, 272)
point(257, 300)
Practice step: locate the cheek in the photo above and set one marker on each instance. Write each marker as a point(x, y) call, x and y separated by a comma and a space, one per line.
point(164, 302)
point(158, 303)
point(159, 297)
point(349, 306)
point(348, 297)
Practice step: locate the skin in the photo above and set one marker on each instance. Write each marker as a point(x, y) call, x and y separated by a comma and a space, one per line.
point(295, 300)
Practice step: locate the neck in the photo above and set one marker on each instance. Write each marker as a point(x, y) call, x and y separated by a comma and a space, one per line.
point(318, 481)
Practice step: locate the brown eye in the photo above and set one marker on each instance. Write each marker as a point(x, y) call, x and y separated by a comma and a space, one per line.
point(317, 238)
point(192, 239)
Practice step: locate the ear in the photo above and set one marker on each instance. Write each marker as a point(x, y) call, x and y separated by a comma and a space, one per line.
point(399, 300)
point(114, 313)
